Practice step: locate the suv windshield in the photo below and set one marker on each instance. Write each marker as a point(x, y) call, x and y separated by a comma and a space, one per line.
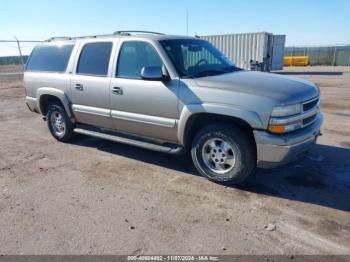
point(197, 58)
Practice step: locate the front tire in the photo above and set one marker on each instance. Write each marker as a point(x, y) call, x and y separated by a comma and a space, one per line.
point(223, 153)
point(59, 124)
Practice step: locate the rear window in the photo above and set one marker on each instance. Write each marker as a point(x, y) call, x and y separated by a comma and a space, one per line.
point(50, 58)
point(94, 59)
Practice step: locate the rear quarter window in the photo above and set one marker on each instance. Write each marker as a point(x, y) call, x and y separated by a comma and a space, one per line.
point(50, 58)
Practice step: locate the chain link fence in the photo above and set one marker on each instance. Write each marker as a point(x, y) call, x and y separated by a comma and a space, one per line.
point(322, 55)
point(318, 55)
point(9, 51)
point(12, 60)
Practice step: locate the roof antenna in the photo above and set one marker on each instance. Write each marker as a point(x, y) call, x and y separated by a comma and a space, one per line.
point(187, 22)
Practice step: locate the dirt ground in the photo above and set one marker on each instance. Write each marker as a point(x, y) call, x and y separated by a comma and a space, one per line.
point(98, 197)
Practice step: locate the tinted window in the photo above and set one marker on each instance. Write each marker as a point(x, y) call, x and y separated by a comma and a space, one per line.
point(50, 58)
point(94, 59)
point(134, 56)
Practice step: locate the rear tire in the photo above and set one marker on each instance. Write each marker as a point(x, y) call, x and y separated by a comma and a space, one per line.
point(59, 124)
point(223, 153)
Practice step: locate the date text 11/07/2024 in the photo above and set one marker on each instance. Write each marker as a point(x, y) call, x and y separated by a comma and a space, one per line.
point(173, 258)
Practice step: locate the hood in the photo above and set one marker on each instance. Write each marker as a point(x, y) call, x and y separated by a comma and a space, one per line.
point(284, 89)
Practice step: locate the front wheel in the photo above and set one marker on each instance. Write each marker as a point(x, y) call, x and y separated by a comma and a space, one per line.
point(59, 124)
point(223, 153)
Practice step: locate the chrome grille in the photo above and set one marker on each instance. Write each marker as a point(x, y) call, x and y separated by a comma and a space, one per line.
point(309, 120)
point(310, 104)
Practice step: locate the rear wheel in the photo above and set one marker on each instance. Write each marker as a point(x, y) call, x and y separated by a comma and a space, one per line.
point(223, 153)
point(59, 123)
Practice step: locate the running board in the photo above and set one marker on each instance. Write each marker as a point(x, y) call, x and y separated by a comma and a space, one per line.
point(173, 149)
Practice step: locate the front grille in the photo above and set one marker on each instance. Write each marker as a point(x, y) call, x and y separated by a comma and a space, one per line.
point(309, 105)
point(309, 120)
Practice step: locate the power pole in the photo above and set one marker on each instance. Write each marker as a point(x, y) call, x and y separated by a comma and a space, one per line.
point(20, 52)
point(335, 55)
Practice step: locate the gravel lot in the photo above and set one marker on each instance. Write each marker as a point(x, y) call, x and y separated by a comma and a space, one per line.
point(98, 197)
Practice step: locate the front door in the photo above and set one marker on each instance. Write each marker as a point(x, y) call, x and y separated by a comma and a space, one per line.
point(147, 108)
point(90, 85)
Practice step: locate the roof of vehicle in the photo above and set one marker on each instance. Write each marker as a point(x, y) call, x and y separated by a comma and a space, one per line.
point(124, 34)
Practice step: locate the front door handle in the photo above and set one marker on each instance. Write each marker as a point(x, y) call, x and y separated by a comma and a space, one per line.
point(79, 87)
point(117, 90)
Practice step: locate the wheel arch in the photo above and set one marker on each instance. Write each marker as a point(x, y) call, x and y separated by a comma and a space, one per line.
point(48, 95)
point(194, 118)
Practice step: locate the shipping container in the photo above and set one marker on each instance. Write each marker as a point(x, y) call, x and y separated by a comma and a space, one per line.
point(264, 50)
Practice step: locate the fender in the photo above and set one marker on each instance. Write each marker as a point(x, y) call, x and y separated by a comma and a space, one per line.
point(252, 118)
point(57, 93)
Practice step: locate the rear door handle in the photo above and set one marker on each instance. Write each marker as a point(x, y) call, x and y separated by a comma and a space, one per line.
point(117, 90)
point(79, 87)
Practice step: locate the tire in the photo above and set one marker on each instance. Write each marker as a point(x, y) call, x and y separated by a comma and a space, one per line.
point(223, 153)
point(59, 124)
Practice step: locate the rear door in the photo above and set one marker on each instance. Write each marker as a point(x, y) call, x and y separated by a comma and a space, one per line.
point(90, 83)
point(278, 52)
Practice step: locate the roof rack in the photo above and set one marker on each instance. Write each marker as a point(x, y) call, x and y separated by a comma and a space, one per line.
point(127, 32)
point(58, 38)
point(76, 37)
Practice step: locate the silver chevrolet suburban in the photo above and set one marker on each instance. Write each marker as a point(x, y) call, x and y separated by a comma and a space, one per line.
point(172, 94)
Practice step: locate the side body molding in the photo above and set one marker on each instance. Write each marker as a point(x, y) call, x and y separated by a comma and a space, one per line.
point(57, 93)
point(252, 118)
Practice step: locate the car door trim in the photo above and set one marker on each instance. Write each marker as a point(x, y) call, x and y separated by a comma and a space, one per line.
point(147, 119)
point(97, 111)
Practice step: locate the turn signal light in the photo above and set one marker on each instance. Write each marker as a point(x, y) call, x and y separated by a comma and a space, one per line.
point(276, 129)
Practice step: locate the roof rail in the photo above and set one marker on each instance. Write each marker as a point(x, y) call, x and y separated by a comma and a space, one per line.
point(58, 38)
point(127, 32)
point(76, 37)
point(96, 36)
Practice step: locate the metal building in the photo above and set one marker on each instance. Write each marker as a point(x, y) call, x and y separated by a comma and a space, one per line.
point(264, 51)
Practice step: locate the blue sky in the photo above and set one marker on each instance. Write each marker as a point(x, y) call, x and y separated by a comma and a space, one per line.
point(308, 22)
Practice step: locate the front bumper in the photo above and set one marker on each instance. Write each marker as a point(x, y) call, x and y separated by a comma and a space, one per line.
point(275, 150)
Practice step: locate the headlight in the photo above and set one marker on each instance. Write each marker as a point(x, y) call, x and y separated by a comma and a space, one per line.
point(280, 111)
point(285, 111)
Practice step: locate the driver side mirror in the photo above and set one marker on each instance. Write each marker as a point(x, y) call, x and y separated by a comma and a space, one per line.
point(152, 73)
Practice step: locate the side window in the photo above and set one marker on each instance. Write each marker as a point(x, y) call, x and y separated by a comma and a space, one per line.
point(94, 59)
point(133, 56)
point(50, 58)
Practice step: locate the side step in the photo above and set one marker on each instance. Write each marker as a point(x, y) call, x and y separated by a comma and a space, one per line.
point(121, 138)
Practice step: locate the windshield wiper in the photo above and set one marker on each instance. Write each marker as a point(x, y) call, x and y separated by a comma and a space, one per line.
point(231, 69)
point(210, 72)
